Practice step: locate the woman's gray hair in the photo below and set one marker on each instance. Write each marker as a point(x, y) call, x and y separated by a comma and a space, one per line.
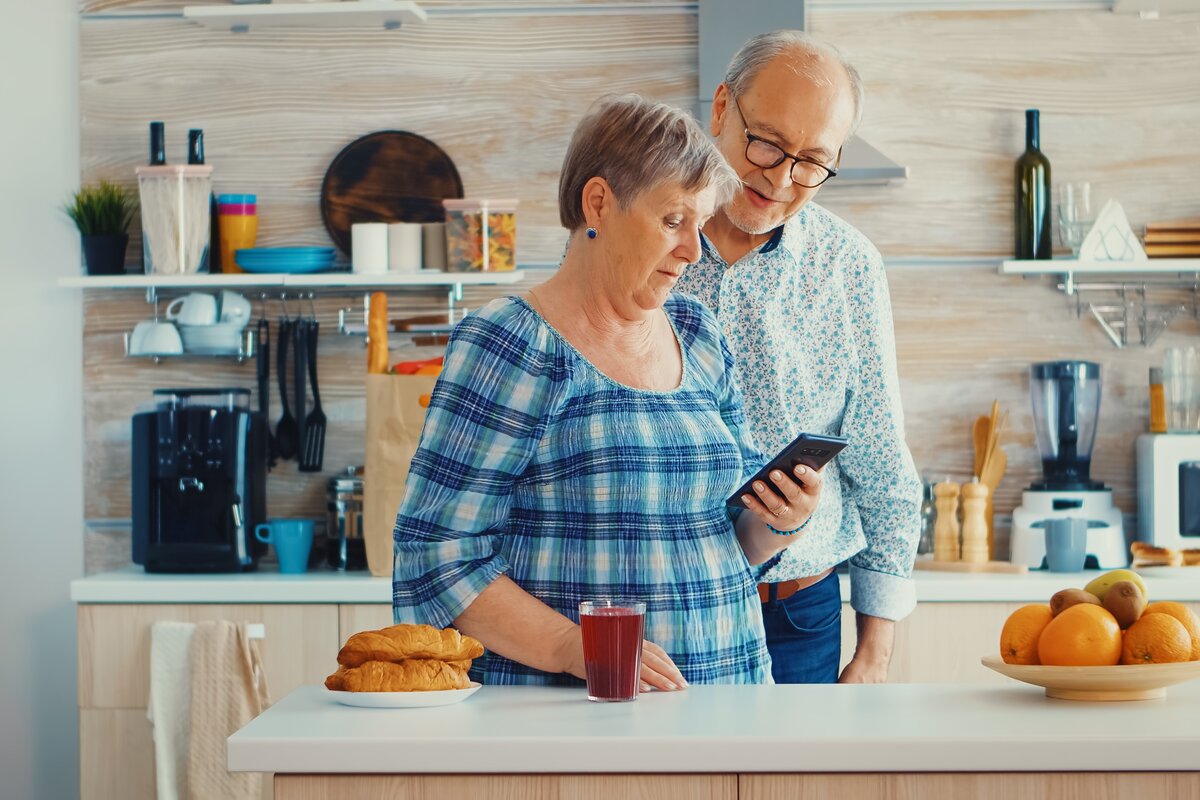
point(766, 47)
point(636, 145)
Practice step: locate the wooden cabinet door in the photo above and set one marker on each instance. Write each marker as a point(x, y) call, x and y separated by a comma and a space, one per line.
point(363, 617)
point(300, 646)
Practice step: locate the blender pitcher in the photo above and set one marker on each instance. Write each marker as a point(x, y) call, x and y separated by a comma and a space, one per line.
point(1066, 408)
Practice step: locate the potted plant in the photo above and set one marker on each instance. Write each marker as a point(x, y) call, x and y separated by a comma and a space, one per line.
point(102, 212)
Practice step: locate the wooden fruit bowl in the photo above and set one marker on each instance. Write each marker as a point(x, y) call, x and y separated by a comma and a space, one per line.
point(1123, 682)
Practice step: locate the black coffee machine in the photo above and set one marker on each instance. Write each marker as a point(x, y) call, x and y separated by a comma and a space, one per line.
point(199, 482)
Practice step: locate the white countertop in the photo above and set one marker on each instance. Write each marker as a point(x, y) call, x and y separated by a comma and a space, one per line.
point(132, 585)
point(726, 729)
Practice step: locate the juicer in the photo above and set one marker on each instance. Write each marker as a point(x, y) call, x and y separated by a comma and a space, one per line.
point(1066, 408)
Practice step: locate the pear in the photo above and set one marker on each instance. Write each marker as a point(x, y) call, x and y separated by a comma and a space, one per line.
point(1066, 598)
point(1125, 601)
point(1100, 586)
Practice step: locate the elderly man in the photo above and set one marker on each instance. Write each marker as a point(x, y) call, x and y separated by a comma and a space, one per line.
point(802, 298)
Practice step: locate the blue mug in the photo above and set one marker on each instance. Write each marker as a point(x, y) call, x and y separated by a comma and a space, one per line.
point(292, 539)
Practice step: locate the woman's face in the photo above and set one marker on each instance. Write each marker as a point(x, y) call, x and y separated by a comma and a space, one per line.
point(649, 244)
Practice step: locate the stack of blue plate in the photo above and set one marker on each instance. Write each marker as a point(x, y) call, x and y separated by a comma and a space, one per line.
point(285, 259)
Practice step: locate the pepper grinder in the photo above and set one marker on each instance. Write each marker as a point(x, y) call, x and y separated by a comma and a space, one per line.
point(974, 526)
point(945, 532)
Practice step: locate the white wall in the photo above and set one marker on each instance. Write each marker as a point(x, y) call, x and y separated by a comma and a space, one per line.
point(41, 452)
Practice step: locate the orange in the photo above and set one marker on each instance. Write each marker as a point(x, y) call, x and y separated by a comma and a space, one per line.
point(1185, 615)
point(1084, 635)
point(1156, 639)
point(1019, 636)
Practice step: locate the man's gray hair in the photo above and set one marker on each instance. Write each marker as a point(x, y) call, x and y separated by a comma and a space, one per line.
point(636, 145)
point(766, 47)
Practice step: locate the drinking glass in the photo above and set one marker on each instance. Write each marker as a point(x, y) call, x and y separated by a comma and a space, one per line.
point(613, 631)
point(1075, 215)
point(1181, 385)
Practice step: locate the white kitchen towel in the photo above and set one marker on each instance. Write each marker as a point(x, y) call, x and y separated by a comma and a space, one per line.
point(229, 688)
point(169, 704)
point(1111, 238)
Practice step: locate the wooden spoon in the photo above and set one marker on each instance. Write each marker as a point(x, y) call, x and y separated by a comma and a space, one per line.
point(981, 434)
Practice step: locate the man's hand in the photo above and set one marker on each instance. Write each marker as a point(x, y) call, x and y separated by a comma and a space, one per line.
point(873, 655)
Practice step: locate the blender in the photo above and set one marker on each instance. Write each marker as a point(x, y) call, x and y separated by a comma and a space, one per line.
point(1066, 407)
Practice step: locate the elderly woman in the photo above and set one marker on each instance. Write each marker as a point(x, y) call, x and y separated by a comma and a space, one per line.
point(582, 439)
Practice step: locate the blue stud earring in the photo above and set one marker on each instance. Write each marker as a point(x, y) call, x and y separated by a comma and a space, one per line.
point(591, 232)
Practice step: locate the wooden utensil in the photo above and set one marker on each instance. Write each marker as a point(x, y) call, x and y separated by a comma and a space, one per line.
point(981, 434)
point(387, 176)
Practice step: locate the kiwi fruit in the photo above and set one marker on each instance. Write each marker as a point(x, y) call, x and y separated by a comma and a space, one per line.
point(1066, 598)
point(1124, 600)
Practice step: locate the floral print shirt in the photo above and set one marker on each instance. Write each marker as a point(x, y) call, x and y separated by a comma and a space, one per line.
point(808, 318)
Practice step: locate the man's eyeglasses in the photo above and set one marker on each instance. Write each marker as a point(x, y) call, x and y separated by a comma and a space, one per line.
point(805, 172)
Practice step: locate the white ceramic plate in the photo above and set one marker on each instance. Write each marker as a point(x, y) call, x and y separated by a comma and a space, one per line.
point(403, 699)
point(1122, 682)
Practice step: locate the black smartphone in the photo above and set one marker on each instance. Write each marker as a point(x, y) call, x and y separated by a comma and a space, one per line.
point(810, 449)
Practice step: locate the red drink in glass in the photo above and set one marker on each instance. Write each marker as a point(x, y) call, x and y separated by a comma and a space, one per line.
point(613, 631)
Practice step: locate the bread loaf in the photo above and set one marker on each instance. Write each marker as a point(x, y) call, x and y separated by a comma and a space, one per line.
point(401, 642)
point(413, 675)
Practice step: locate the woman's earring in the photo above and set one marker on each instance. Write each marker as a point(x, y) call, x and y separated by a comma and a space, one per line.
point(591, 232)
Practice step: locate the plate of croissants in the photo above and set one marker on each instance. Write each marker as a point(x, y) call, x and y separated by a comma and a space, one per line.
point(404, 666)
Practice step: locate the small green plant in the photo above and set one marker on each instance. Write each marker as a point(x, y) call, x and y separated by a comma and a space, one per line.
point(104, 208)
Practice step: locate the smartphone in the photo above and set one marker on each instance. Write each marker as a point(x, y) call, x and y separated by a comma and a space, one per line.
point(810, 449)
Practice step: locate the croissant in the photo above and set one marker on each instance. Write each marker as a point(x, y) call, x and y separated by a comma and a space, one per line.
point(400, 642)
point(413, 675)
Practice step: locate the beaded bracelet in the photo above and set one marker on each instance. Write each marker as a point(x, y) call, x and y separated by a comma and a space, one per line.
point(803, 525)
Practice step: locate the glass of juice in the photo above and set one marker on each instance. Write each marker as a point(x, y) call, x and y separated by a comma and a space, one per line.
point(613, 631)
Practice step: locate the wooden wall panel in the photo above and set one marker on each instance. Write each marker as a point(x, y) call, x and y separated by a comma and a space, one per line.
point(501, 95)
point(945, 96)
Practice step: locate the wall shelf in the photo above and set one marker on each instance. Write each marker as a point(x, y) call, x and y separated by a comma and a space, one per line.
point(239, 18)
point(1071, 266)
point(1121, 306)
point(273, 281)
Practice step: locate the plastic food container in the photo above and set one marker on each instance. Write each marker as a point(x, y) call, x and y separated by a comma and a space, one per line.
point(481, 235)
point(175, 201)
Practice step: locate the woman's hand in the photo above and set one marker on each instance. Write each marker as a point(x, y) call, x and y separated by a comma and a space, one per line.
point(658, 670)
point(799, 499)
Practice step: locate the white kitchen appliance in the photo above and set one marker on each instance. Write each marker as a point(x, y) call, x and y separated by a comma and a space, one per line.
point(1168, 470)
point(1066, 408)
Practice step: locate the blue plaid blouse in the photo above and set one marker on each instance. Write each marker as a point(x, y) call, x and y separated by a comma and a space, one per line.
point(535, 464)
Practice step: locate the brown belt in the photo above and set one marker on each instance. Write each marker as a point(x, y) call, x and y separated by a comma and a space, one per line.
point(785, 589)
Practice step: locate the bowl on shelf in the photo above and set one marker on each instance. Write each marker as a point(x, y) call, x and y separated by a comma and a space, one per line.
point(1120, 682)
point(286, 259)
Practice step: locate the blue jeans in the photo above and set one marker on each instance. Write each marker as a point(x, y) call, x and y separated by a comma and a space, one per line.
point(804, 633)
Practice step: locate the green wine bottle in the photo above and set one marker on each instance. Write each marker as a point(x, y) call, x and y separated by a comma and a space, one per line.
point(1033, 195)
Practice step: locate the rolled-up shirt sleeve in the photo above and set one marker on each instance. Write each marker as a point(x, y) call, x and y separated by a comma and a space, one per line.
point(883, 488)
point(486, 415)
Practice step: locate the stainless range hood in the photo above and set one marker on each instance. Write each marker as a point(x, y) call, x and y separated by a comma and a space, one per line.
point(725, 26)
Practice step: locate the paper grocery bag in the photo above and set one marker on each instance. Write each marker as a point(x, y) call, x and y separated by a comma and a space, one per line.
point(394, 421)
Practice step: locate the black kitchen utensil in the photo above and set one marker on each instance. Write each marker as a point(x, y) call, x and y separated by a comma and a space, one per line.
point(386, 176)
point(287, 436)
point(300, 380)
point(312, 455)
point(264, 385)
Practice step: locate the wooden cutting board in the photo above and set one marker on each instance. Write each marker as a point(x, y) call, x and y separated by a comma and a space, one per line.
point(964, 566)
point(386, 176)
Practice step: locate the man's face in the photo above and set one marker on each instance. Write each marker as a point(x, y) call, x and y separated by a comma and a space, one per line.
point(800, 116)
